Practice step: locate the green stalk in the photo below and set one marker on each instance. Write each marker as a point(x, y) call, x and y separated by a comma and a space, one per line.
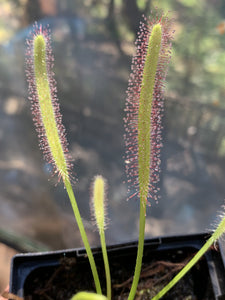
point(106, 264)
point(139, 252)
point(144, 140)
point(83, 234)
point(219, 231)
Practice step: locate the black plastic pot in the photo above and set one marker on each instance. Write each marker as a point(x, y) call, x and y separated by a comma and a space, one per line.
point(208, 277)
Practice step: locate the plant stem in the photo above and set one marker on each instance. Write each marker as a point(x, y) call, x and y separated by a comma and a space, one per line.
point(106, 264)
point(193, 261)
point(83, 234)
point(140, 250)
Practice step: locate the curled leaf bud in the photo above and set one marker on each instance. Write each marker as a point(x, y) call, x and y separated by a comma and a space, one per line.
point(98, 202)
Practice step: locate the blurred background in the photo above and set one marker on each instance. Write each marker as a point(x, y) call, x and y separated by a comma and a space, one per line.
point(93, 42)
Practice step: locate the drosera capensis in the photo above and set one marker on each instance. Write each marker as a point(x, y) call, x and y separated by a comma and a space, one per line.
point(48, 121)
point(144, 106)
point(98, 208)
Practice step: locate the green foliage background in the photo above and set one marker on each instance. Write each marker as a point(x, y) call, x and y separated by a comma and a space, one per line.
point(198, 62)
point(197, 69)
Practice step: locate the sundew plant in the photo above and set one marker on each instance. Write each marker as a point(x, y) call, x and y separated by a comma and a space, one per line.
point(48, 121)
point(144, 107)
point(143, 113)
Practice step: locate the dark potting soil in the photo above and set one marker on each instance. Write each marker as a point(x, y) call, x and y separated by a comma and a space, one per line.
point(70, 276)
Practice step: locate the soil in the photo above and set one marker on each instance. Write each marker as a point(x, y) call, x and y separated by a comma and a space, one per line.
point(70, 276)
